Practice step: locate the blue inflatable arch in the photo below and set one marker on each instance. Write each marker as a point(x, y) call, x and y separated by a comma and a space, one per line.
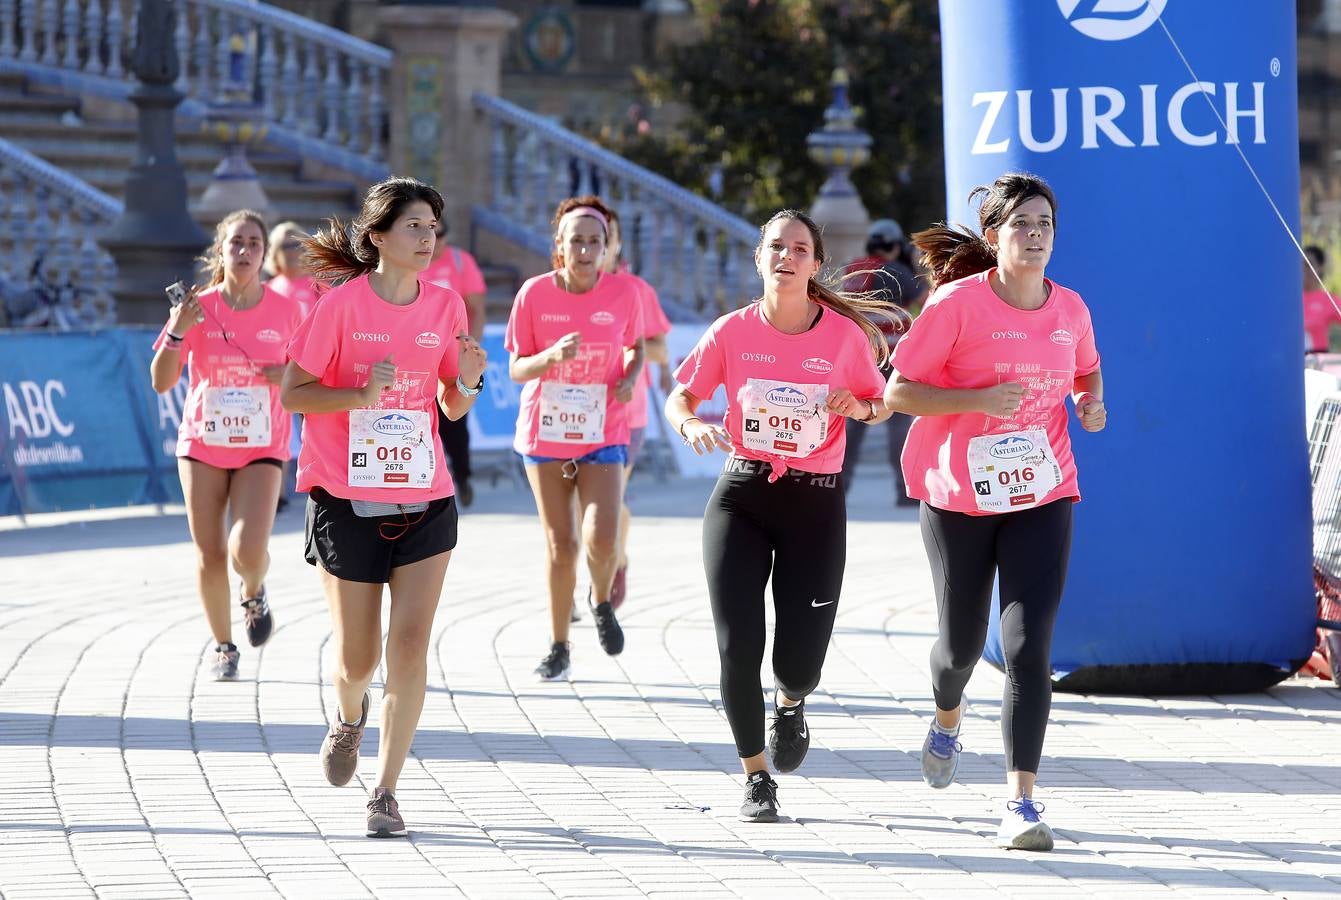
point(1191, 564)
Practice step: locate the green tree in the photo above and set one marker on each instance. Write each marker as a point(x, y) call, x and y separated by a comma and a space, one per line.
point(757, 83)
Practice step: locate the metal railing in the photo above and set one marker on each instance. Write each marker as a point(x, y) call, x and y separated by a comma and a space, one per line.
point(52, 272)
point(318, 90)
point(698, 256)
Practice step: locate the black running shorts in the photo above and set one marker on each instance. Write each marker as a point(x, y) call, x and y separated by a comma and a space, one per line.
point(355, 548)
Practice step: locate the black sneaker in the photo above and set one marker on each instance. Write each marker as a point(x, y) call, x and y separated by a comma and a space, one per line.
point(761, 799)
point(790, 738)
point(607, 628)
point(258, 619)
point(225, 662)
point(557, 664)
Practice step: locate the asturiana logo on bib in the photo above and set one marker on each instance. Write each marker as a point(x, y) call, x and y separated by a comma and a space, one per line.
point(1012, 447)
point(574, 395)
point(786, 396)
point(235, 399)
point(1061, 337)
point(428, 340)
point(817, 365)
point(601, 317)
point(1111, 20)
point(269, 336)
point(393, 424)
point(373, 337)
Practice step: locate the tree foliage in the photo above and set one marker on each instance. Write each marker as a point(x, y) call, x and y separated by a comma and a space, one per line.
point(757, 82)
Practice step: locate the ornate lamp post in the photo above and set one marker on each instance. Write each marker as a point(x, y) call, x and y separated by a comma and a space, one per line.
point(155, 241)
point(235, 120)
point(840, 147)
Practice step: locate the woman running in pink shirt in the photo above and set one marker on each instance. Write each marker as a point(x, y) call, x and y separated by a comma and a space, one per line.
point(794, 365)
point(986, 369)
point(368, 370)
point(575, 337)
point(234, 435)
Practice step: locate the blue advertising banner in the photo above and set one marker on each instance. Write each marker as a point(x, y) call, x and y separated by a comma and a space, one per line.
point(493, 419)
point(1192, 547)
point(72, 432)
point(161, 414)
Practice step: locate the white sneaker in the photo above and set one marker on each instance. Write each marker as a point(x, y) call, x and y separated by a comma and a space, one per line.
point(1022, 828)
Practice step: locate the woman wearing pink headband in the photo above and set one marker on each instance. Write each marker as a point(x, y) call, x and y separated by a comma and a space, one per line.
point(575, 343)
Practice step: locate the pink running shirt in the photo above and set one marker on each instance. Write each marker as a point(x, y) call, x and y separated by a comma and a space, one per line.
point(655, 324)
point(742, 347)
point(300, 290)
point(1318, 318)
point(351, 329)
point(609, 318)
point(968, 337)
point(228, 350)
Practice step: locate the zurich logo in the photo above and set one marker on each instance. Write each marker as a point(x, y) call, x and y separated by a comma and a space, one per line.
point(1012, 447)
point(786, 396)
point(1111, 20)
point(393, 424)
point(235, 400)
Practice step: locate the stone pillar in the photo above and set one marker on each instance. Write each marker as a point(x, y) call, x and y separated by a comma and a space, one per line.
point(444, 55)
point(155, 241)
point(840, 147)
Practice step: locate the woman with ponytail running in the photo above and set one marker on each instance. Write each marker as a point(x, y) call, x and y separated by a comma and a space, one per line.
point(987, 368)
point(795, 364)
point(368, 369)
point(234, 435)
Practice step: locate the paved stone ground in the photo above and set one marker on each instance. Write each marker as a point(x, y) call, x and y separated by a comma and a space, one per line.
point(128, 773)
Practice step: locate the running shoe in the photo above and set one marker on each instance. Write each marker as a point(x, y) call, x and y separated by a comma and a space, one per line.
point(225, 662)
point(789, 738)
point(761, 799)
point(384, 819)
point(940, 756)
point(340, 749)
point(1022, 828)
point(618, 587)
point(256, 611)
point(557, 664)
point(607, 628)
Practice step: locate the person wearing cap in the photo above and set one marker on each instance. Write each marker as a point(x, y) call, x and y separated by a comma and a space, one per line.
point(887, 272)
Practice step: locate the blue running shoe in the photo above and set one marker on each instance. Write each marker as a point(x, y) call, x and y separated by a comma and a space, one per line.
point(940, 757)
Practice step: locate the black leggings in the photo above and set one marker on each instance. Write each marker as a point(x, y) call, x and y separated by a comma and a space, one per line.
point(1028, 550)
point(795, 529)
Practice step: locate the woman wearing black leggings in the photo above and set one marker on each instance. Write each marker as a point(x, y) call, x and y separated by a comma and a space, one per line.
point(793, 364)
point(986, 368)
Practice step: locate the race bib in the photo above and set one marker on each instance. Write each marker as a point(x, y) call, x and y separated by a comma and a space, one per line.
point(572, 413)
point(1016, 470)
point(390, 448)
point(782, 418)
point(237, 416)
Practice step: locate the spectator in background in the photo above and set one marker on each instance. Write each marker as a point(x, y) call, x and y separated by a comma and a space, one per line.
point(1319, 313)
point(457, 270)
point(887, 271)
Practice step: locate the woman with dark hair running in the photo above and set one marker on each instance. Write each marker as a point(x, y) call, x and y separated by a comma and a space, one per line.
point(368, 369)
point(987, 368)
point(234, 435)
point(575, 339)
point(794, 364)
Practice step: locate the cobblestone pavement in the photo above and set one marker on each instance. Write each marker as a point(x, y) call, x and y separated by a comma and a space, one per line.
point(127, 772)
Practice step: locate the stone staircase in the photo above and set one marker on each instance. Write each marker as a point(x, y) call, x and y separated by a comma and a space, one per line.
point(97, 143)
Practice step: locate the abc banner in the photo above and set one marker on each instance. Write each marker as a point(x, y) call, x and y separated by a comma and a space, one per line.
point(1191, 561)
point(74, 433)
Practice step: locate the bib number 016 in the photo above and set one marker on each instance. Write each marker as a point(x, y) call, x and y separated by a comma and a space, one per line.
point(1015, 476)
